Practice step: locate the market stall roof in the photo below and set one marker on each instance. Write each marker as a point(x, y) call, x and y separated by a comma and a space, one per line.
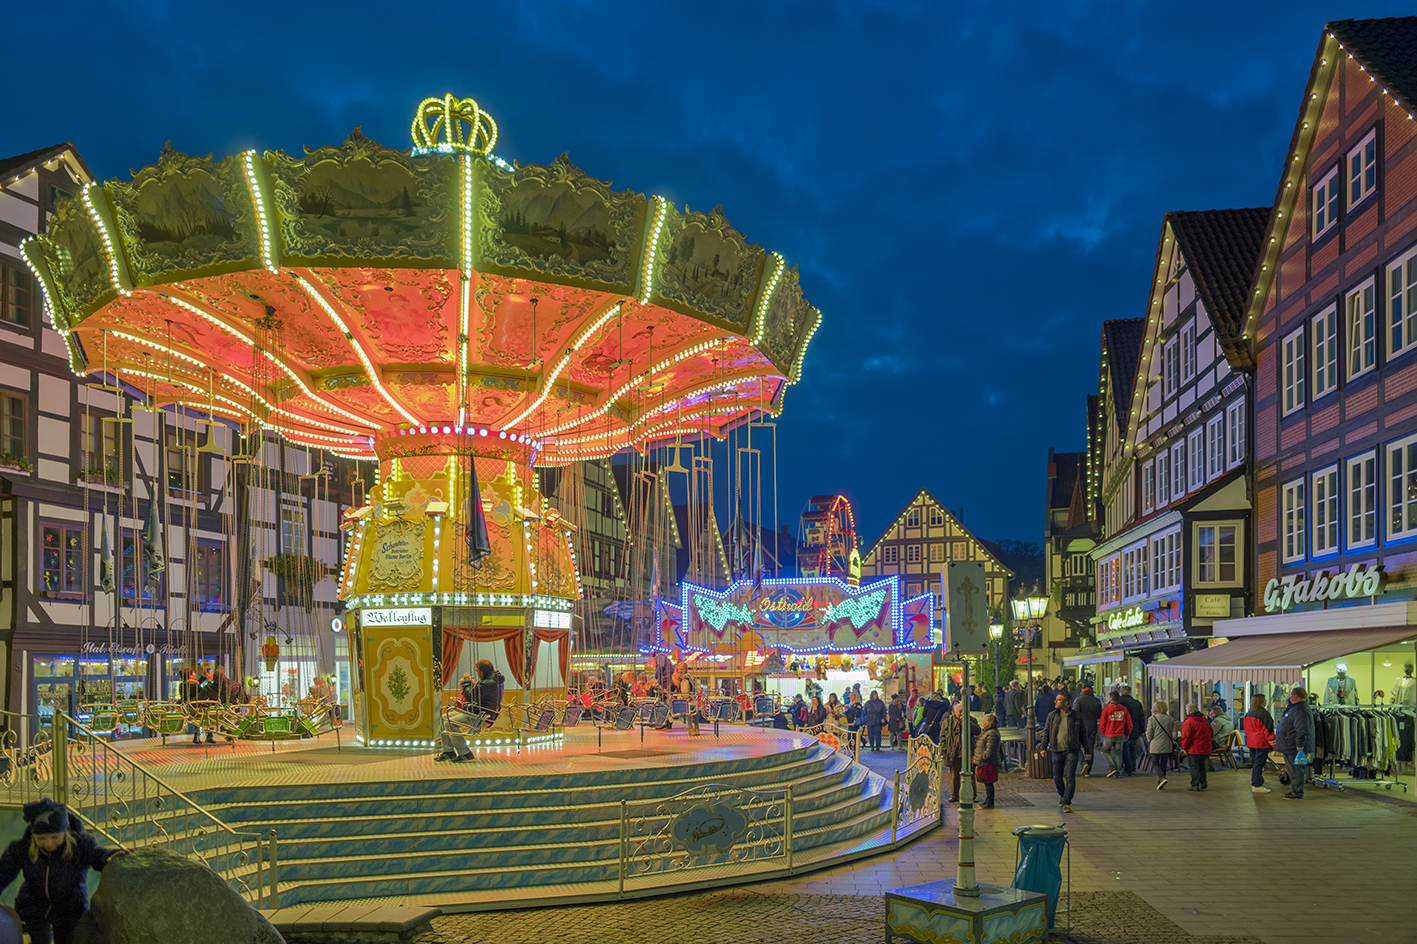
point(1279, 658)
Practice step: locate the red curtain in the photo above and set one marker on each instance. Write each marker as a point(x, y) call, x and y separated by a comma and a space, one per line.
point(511, 638)
point(564, 651)
point(452, 649)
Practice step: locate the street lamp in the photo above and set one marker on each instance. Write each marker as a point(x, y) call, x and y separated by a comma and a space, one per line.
point(996, 630)
point(1029, 609)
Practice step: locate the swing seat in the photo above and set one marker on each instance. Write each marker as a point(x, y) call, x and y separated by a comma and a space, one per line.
point(679, 707)
point(572, 715)
point(543, 720)
point(659, 715)
point(625, 718)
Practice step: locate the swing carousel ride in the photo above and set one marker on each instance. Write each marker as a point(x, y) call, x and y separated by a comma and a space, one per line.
point(458, 319)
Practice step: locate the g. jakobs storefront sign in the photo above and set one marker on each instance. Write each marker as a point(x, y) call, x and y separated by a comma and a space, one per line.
point(1362, 580)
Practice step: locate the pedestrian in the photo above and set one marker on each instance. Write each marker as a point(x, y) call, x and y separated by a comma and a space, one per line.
point(1013, 704)
point(932, 712)
point(976, 698)
point(1160, 741)
point(854, 711)
point(54, 855)
point(1043, 705)
point(874, 717)
point(816, 714)
point(1089, 710)
point(912, 701)
point(1001, 707)
point(1217, 701)
point(798, 712)
point(895, 721)
point(1221, 727)
point(1062, 734)
point(1259, 738)
point(1295, 740)
point(1116, 728)
point(465, 689)
point(191, 693)
point(1131, 754)
point(988, 758)
point(836, 711)
point(953, 745)
point(1195, 741)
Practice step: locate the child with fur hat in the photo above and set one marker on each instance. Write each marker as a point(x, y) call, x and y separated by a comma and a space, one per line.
point(54, 856)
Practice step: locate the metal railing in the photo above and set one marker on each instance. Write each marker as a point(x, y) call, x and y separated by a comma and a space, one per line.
point(127, 804)
point(837, 738)
point(917, 788)
point(716, 829)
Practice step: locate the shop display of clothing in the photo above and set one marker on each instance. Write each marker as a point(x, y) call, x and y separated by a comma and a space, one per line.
point(1341, 690)
point(1362, 739)
point(1404, 691)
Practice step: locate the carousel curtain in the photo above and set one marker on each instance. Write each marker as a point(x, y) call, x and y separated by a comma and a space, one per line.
point(453, 637)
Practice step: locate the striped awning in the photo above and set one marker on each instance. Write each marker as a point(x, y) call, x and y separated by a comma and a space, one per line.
point(1277, 658)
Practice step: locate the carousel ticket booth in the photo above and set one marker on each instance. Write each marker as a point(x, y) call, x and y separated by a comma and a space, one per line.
point(422, 612)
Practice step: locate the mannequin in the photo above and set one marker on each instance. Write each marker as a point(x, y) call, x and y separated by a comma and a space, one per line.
point(1404, 690)
point(1341, 690)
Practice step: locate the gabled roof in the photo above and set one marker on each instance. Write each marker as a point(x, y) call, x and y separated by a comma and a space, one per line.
point(1387, 50)
point(1220, 248)
point(21, 163)
point(1121, 346)
point(992, 550)
point(1067, 468)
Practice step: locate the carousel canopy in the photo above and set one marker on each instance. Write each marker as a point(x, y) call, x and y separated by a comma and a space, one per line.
point(350, 295)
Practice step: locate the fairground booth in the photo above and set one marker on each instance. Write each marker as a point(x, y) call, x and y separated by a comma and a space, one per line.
point(784, 637)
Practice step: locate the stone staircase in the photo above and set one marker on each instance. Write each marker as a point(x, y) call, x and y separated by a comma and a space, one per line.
point(506, 841)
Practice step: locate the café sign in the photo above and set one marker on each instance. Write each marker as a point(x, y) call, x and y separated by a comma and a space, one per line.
point(1361, 580)
point(1126, 619)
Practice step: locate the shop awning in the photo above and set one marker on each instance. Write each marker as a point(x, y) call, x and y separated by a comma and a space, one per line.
point(1114, 656)
point(1277, 658)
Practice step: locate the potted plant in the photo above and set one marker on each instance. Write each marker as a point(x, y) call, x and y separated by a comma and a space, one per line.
point(301, 573)
point(14, 462)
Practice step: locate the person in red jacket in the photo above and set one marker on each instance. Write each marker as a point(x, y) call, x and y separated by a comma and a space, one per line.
point(1259, 738)
point(1195, 741)
point(1115, 726)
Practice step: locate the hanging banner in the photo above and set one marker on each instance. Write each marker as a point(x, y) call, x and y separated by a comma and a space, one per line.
point(967, 610)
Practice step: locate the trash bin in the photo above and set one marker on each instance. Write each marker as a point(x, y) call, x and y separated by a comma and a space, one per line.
point(1038, 866)
point(1040, 766)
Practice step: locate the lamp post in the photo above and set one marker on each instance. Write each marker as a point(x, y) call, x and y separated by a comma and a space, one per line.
point(996, 630)
point(1029, 609)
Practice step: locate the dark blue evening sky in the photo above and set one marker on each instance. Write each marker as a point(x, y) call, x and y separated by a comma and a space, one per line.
point(968, 188)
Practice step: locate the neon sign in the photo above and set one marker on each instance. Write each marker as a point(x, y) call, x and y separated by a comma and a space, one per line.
point(1362, 580)
point(1127, 618)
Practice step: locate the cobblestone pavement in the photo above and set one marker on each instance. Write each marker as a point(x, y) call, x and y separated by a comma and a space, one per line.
point(1221, 867)
point(742, 917)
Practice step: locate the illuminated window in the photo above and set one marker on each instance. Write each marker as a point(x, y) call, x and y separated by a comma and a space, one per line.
point(1170, 368)
point(1402, 304)
point(1163, 479)
point(1215, 447)
point(912, 554)
point(1323, 335)
point(1235, 434)
point(63, 564)
point(1402, 488)
point(1188, 351)
point(16, 291)
point(958, 550)
point(1195, 446)
point(1217, 553)
point(1178, 471)
point(937, 552)
point(1148, 487)
point(14, 427)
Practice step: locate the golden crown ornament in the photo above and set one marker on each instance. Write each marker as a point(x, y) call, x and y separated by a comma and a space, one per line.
point(438, 126)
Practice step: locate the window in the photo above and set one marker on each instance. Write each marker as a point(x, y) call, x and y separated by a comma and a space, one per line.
point(1170, 367)
point(1293, 508)
point(1195, 447)
point(1166, 561)
point(912, 589)
point(292, 531)
point(1325, 489)
point(181, 457)
point(1402, 304)
point(99, 455)
point(1362, 500)
point(1148, 487)
point(912, 554)
point(16, 290)
point(1188, 351)
point(1216, 557)
point(1163, 479)
point(890, 555)
point(1326, 203)
point(958, 550)
point(937, 552)
point(1129, 574)
point(1324, 334)
point(1178, 471)
point(139, 587)
point(1362, 330)
point(13, 427)
point(1235, 420)
point(1293, 350)
point(210, 576)
point(1402, 488)
point(63, 563)
point(937, 518)
point(1363, 168)
point(1080, 567)
point(1215, 447)
point(912, 518)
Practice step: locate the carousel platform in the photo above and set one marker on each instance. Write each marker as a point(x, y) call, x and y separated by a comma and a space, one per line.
point(591, 818)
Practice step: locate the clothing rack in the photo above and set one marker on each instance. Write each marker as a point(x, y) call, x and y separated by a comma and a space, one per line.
point(1341, 783)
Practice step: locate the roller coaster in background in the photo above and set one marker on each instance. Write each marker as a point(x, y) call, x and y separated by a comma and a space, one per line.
point(827, 545)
